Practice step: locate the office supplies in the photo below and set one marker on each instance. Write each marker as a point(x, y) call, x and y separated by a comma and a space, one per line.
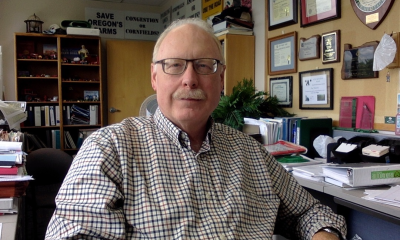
point(364, 174)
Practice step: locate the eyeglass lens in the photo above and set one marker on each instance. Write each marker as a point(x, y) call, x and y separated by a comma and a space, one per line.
point(201, 66)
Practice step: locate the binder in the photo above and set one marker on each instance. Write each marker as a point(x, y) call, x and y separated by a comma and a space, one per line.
point(93, 114)
point(42, 116)
point(364, 174)
point(38, 116)
point(310, 128)
point(46, 116)
point(52, 116)
point(57, 115)
point(31, 117)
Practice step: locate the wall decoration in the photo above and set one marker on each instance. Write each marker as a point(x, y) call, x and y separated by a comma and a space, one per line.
point(331, 47)
point(282, 89)
point(358, 62)
point(316, 89)
point(313, 12)
point(372, 12)
point(309, 48)
point(282, 13)
point(282, 54)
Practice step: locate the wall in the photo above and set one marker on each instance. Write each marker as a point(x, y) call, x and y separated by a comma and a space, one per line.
point(355, 33)
point(14, 12)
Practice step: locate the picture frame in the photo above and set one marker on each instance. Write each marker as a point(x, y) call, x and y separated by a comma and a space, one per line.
point(358, 61)
point(282, 54)
point(309, 48)
point(282, 13)
point(312, 12)
point(330, 49)
point(316, 89)
point(282, 89)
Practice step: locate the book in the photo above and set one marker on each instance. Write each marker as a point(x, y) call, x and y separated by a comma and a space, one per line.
point(221, 26)
point(374, 150)
point(13, 170)
point(233, 31)
point(31, 117)
point(310, 128)
point(284, 148)
point(66, 114)
point(42, 116)
point(56, 139)
point(364, 174)
point(9, 159)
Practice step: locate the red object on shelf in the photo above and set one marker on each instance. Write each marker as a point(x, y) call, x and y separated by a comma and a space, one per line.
point(282, 147)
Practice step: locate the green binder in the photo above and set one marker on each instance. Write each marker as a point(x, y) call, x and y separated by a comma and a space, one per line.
point(310, 128)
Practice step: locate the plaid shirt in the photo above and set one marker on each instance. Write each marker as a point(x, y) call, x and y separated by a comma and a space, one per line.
point(139, 179)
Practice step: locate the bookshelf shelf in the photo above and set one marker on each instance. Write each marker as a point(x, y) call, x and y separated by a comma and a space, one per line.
point(46, 68)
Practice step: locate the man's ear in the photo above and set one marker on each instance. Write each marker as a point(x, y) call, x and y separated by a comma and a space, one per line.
point(153, 77)
point(222, 76)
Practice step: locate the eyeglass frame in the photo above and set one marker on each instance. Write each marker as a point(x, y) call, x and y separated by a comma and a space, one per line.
point(186, 64)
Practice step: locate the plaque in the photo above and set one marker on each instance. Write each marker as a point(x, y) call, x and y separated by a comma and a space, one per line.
point(358, 62)
point(331, 47)
point(371, 12)
point(309, 48)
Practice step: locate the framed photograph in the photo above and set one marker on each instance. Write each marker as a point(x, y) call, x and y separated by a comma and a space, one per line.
point(309, 48)
point(331, 47)
point(282, 54)
point(314, 12)
point(316, 89)
point(282, 89)
point(282, 13)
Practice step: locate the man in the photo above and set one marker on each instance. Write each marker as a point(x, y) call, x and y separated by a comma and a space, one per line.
point(179, 175)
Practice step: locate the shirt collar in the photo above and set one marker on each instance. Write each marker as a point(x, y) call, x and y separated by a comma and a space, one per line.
point(175, 134)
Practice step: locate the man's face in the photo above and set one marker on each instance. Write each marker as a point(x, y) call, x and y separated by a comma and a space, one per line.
point(187, 42)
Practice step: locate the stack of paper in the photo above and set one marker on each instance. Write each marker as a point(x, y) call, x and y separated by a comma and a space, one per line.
point(374, 150)
point(389, 197)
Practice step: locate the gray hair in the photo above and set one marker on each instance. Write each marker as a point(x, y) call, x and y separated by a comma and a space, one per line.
point(194, 21)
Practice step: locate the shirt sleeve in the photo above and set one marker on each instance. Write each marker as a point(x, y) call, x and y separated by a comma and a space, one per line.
point(300, 215)
point(90, 200)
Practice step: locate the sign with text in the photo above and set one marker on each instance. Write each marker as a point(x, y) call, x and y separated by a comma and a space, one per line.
point(109, 22)
point(165, 18)
point(178, 10)
point(193, 8)
point(143, 26)
point(211, 7)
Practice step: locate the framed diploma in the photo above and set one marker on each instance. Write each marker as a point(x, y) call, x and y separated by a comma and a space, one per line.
point(282, 89)
point(331, 47)
point(281, 13)
point(317, 11)
point(309, 48)
point(282, 54)
point(316, 89)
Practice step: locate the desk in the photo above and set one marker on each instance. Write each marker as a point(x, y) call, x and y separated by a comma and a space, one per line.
point(9, 226)
point(368, 219)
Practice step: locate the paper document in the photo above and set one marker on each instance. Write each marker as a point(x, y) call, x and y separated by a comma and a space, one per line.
point(14, 114)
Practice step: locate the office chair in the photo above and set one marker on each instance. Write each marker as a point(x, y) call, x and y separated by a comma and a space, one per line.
point(48, 167)
point(149, 106)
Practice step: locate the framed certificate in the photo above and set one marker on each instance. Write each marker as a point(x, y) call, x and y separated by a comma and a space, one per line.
point(282, 89)
point(282, 54)
point(281, 13)
point(316, 89)
point(317, 11)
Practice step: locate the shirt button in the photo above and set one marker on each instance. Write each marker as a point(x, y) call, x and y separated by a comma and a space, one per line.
point(222, 237)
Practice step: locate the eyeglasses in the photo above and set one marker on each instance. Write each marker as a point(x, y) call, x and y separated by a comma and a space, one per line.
point(176, 66)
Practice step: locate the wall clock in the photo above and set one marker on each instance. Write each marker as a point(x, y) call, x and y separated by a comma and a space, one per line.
point(371, 12)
